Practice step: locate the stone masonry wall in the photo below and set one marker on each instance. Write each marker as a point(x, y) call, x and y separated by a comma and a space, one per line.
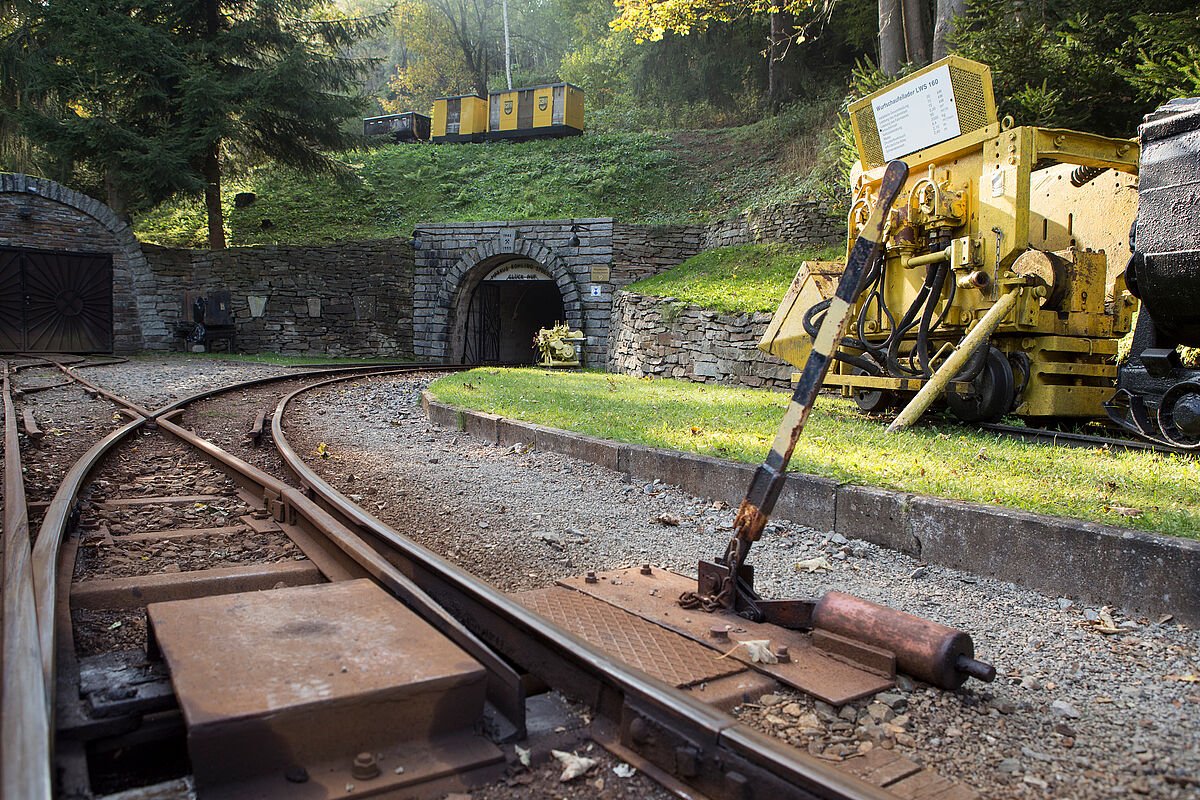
point(349, 299)
point(640, 251)
point(807, 222)
point(664, 338)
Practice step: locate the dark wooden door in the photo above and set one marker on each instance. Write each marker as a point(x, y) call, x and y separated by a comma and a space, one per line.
point(55, 302)
point(12, 302)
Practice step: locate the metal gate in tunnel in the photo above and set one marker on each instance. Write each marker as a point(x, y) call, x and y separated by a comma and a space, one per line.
point(506, 309)
point(52, 302)
point(483, 326)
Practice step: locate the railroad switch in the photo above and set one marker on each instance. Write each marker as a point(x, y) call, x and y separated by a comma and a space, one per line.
point(308, 685)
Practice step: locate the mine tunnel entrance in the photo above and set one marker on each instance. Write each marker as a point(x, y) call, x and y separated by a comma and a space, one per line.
point(507, 308)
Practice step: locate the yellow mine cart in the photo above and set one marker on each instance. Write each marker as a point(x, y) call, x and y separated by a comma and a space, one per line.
point(459, 119)
point(1017, 233)
point(552, 110)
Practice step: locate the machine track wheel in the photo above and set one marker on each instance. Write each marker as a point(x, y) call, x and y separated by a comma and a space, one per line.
point(871, 401)
point(991, 394)
point(1179, 415)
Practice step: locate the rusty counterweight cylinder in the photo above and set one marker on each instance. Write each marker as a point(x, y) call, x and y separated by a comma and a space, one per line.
point(936, 654)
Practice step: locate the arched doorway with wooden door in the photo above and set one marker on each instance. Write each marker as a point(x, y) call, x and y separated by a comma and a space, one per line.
point(73, 277)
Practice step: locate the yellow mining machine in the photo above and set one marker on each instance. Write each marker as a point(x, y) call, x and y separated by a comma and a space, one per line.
point(1001, 282)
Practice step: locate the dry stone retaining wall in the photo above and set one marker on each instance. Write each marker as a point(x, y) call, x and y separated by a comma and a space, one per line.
point(349, 299)
point(667, 339)
point(807, 222)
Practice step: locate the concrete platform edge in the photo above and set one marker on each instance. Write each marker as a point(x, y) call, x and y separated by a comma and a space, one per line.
point(1141, 572)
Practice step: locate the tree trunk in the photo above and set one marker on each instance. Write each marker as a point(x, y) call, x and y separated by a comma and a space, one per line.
point(114, 197)
point(212, 197)
point(212, 157)
point(774, 98)
point(891, 36)
point(916, 31)
point(507, 48)
point(943, 29)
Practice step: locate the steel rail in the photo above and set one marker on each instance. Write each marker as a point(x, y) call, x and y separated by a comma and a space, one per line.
point(32, 720)
point(505, 691)
point(657, 721)
point(1068, 439)
point(53, 529)
point(24, 714)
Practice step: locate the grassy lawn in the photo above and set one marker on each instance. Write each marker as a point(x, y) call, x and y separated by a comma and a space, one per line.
point(744, 278)
point(942, 460)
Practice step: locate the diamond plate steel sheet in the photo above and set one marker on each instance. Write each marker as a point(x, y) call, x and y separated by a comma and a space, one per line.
point(651, 648)
point(652, 598)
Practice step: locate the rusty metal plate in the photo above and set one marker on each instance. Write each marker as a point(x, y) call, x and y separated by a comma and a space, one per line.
point(658, 652)
point(303, 679)
point(652, 597)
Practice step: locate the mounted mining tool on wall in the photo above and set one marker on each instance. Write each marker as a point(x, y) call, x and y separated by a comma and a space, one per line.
point(841, 623)
point(1000, 282)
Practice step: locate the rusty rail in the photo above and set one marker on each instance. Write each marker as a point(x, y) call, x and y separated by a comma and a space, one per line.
point(655, 721)
point(652, 720)
point(24, 715)
point(38, 601)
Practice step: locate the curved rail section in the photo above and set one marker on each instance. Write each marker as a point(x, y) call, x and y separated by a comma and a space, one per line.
point(653, 720)
point(36, 618)
point(641, 717)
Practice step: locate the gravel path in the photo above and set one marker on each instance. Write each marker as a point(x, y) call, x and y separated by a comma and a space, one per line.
point(1074, 712)
point(154, 381)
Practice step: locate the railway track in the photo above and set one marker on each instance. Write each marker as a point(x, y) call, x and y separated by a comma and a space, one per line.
point(135, 651)
point(1074, 439)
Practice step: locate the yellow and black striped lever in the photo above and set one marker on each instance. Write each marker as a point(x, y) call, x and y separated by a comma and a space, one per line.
point(769, 477)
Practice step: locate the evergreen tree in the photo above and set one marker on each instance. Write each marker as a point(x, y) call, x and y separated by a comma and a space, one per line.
point(159, 96)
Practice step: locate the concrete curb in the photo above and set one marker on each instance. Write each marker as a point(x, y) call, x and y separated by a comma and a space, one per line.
point(1145, 573)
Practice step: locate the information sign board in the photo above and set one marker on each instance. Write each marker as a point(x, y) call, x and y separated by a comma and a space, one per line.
point(916, 114)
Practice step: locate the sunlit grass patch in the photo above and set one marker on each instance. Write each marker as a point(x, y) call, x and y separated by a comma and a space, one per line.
point(1143, 490)
point(743, 278)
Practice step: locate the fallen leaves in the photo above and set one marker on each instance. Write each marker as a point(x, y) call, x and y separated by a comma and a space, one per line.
point(573, 765)
point(811, 565)
point(1124, 511)
point(757, 650)
point(1104, 623)
point(323, 450)
point(1191, 677)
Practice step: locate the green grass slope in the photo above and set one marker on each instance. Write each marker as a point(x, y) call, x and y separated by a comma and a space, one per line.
point(652, 178)
point(744, 278)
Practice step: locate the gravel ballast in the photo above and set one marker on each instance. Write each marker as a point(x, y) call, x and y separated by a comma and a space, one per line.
point(1086, 705)
point(1074, 712)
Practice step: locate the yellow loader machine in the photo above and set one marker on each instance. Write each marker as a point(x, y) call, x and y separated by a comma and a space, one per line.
point(1001, 279)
